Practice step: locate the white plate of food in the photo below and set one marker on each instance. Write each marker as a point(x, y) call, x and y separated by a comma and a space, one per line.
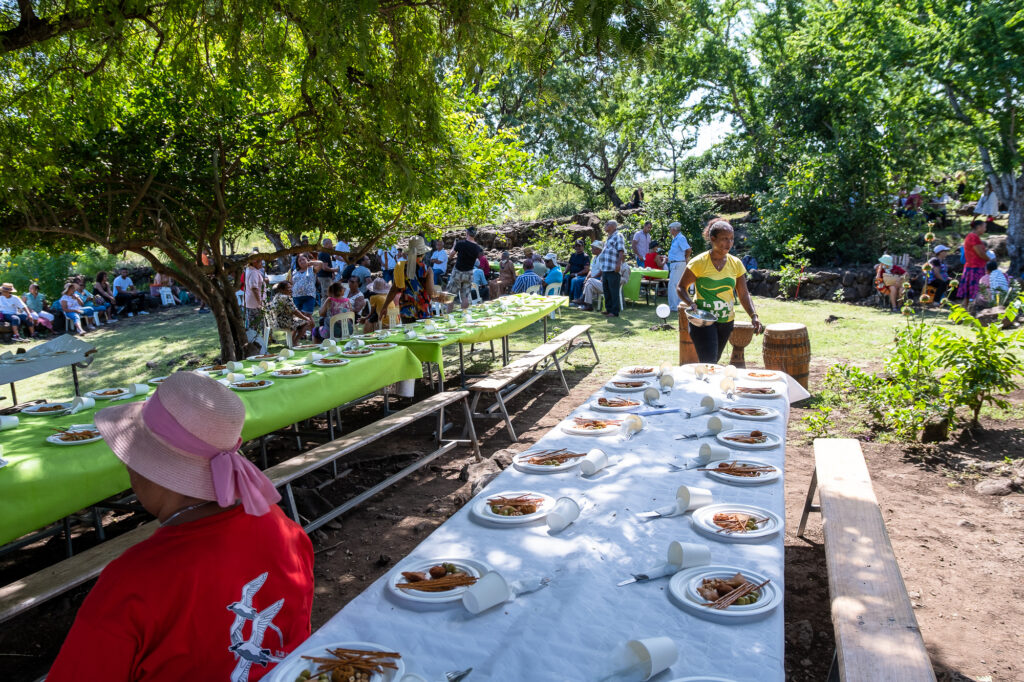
point(759, 392)
point(76, 434)
point(46, 409)
point(364, 336)
point(252, 384)
point(108, 393)
point(454, 330)
point(357, 353)
point(752, 412)
point(730, 522)
point(547, 461)
point(306, 346)
point(709, 369)
point(513, 507)
point(743, 472)
point(591, 425)
point(749, 440)
point(434, 337)
point(330, 362)
point(265, 356)
point(381, 346)
point(638, 371)
point(627, 385)
point(604, 404)
point(695, 589)
point(293, 668)
point(420, 579)
point(762, 375)
point(213, 368)
point(156, 381)
point(290, 372)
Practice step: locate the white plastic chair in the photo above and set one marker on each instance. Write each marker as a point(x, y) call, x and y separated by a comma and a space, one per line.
point(166, 296)
point(240, 296)
point(271, 331)
point(553, 289)
point(535, 289)
point(344, 318)
point(474, 295)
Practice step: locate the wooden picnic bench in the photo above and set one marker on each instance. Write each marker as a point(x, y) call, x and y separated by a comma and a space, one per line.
point(24, 594)
point(877, 636)
point(507, 382)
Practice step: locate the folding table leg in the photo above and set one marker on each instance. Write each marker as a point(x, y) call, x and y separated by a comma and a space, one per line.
point(68, 549)
point(462, 369)
point(565, 384)
point(289, 498)
point(808, 504)
point(263, 452)
point(492, 348)
point(97, 524)
point(593, 347)
point(545, 320)
point(298, 438)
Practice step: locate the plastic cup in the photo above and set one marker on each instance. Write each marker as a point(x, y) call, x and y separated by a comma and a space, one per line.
point(727, 385)
point(651, 395)
point(82, 403)
point(406, 388)
point(707, 405)
point(139, 389)
point(232, 377)
point(691, 497)
point(286, 353)
point(688, 554)
point(631, 423)
point(717, 425)
point(8, 421)
point(565, 511)
point(317, 356)
point(593, 462)
point(266, 366)
point(235, 366)
point(258, 370)
point(490, 590)
point(712, 453)
point(699, 371)
point(731, 371)
point(225, 382)
point(642, 659)
point(667, 380)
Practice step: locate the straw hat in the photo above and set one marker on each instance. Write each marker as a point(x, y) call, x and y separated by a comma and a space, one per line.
point(416, 247)
point(8, 287)
point(185, 438)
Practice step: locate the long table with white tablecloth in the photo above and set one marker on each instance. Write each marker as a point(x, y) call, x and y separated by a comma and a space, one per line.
point(565, 631)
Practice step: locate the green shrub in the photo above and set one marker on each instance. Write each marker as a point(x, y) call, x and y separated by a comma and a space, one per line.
point(791, 274)
point(50, 270)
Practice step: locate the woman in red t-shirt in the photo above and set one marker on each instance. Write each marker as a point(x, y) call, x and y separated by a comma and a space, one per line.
point(223, 589)
point(975, 260)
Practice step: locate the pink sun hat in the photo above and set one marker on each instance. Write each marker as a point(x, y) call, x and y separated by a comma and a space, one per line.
point(185, 437)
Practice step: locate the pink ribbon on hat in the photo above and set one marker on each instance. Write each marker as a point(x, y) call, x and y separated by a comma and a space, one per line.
point(234, 477)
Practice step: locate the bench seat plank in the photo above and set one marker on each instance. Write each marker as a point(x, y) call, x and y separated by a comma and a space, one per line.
point(499, 379)
point(877, 636)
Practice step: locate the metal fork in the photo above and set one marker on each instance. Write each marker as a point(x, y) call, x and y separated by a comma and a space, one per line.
point(457, 675)
point(676, 467)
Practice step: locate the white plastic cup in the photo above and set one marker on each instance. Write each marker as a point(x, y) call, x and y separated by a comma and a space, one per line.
point(688, 554)
point(651, 395)
point(225, 382)
point(258, 370)
point(233, 377)
point(708, 404)
point(690, 497)
point(489, 590)
point(594, 461)
point(731, 371)
point(410, 334)
point(631, 423)
point(712, 453)
point(8, 421)
point(727, 385)
point(82, 403)
point(667, 381)
point(139, 389)
point(286, 353)
point(234, 366)
point(406, 388)
point(699, 371)
point(565, 511)
point(266, 366)
point(717, 425)
point(642, 659)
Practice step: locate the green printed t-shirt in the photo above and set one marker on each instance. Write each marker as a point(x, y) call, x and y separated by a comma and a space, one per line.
point(716, 289)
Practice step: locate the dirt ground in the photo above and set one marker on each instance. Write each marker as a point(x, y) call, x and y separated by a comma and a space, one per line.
point(960, 552)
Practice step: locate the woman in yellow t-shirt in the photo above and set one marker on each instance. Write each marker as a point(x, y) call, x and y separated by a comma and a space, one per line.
point(719, 279)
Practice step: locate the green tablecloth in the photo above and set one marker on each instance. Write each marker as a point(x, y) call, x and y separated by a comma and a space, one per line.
point(44, 482)
point(632, 288)
point(533, 308)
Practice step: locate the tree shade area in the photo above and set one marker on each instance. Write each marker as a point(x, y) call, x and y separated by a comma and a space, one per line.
point(162, 129)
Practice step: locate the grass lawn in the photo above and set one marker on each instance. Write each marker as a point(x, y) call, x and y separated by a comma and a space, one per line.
point(173, 337)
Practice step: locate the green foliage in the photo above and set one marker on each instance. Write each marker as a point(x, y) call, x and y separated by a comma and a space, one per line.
point(795, 260)
point(819, 423)
point(558, 241)
point(692, 213)
point(50, 268)
point(932, 373)
point(553, 201)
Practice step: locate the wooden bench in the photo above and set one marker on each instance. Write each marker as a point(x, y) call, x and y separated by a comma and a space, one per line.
point(877, 636)
point(24, 594)
point(506, 383)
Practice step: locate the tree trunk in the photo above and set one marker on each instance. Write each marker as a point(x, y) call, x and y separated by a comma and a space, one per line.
point(1015, 227)
point(609, 191)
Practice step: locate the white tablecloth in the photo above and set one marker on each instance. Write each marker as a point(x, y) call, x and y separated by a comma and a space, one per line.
point(564, 632)
point(63, 351)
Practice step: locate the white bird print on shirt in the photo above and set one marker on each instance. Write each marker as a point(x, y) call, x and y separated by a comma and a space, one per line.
point(248, 652)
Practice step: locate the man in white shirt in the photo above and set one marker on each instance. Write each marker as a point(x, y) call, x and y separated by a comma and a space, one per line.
point(641, 243)
point(678, 254)
point(342, 246)
point(124, 288)
point(14, 311)
point(388, 258)
point(439, 261)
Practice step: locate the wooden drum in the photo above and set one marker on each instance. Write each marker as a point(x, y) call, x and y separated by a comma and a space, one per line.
point(742, 333)
point(687, 351)
point(787, 347)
